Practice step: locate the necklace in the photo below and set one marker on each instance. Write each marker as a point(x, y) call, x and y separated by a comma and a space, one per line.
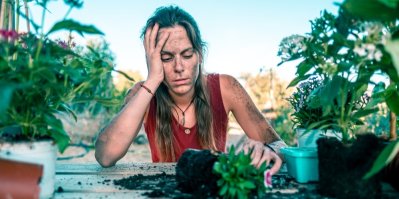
point(186, 130)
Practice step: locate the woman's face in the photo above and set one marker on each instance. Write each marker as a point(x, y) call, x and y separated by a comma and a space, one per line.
point(180, 61)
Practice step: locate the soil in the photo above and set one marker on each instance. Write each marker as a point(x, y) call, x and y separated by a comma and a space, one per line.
point(166, 186)
point(194, 173)
point(194, 179)
point(342, 167)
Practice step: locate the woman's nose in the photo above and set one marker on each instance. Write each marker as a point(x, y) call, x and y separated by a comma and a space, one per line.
point(179, 65)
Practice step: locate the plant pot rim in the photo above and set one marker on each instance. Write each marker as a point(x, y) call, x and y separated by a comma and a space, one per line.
point(299, 151)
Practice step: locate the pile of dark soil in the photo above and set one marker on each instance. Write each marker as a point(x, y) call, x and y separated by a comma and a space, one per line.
point(341, 167)
point(165, 186)
point(159, 185)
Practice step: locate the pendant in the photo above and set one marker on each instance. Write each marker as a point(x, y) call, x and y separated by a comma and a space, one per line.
point(187, 131)
point(184, 119)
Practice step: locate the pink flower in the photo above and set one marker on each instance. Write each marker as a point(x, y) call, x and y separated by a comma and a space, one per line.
point(9, 34)
point(268, 179)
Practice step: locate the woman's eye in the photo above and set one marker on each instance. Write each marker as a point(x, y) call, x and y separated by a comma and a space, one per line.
point(166, 59)
point(188, 56)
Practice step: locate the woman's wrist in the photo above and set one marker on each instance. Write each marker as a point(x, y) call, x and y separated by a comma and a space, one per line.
point(276, 146)
point(150, 85)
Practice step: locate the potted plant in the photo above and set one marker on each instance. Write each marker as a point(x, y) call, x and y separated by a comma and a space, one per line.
point(39, 79)
point(206, 173)
point(389, 158)
point(309, 121)
point(333, 50)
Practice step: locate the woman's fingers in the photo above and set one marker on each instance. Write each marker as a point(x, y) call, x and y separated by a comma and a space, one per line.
point(153, 36)
point(261, 154)
point(277, 164)
point(162, 41)
point(146, 41)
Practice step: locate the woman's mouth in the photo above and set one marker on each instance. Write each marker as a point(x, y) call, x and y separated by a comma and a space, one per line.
point(180, 81)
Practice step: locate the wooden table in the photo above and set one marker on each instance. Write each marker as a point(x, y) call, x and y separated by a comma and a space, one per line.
point(93, 181)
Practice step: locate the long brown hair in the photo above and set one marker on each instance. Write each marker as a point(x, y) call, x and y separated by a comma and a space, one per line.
point(168, 17)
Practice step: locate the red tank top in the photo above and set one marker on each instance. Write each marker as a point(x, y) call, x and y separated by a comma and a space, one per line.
point(181, 140)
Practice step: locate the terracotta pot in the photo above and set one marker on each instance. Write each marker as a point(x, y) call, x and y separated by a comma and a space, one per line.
point(39, 152)
point(19, 179)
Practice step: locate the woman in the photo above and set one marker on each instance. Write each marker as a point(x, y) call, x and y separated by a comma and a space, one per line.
point(182, 107)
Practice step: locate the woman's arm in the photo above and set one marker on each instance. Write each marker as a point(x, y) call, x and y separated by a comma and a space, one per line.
point(115, 139)
point(259, 131)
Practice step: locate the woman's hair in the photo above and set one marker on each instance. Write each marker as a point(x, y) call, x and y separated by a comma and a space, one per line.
point(171, 16)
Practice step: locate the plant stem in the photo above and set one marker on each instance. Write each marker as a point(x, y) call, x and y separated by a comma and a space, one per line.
point(27, 16)
point(40, 41)
point(3, 14)
point(392, 130)
point(68, 12)
point(17, 19)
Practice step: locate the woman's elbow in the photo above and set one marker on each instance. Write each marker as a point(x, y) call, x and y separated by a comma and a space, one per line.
point(103, 160)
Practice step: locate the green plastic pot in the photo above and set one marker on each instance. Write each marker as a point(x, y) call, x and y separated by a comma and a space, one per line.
point(302, 163)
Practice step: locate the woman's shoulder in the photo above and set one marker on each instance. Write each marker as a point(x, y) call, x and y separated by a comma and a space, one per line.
point(224, 79)
point(228, 81)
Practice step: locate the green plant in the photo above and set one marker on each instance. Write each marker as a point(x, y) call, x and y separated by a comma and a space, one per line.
point(366, 10)
point(304, 114)
point(41, 78)
point(238, 178)
point(346, 54)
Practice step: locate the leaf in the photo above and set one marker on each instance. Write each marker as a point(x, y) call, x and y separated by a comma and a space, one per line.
point(364, 112)
point(297, 79)
point(57, 132)
point(392, 101)
point(72, 25)
point(371, 9)
point(61, 138)
point(223, 190)
point(303, 68)
point(392, 47)
point(125, 75)
point(65, 108)
point(390, 3)
point(383, 159)
point(6, 91)
point(249, 185)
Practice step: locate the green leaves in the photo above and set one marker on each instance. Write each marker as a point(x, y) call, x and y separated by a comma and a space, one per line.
point(57, 132)
point(238, 178)
point(40, 79)
point(392, 46)
point(392, 98)
point(384, 10)
point(72, 25)
point(383, 159)
point(6, 90)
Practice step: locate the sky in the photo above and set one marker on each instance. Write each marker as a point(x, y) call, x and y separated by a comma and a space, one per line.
point(242, 36)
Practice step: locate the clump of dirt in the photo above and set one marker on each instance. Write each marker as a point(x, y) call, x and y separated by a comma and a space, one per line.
point(342, 167)
point(194, 173)
point(158, 185)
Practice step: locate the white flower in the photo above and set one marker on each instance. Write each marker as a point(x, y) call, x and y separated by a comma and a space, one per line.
point(359, 50)
point(369, 51)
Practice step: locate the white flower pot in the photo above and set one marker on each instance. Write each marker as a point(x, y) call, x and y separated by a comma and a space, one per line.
point(309, 138)
point(39, 152)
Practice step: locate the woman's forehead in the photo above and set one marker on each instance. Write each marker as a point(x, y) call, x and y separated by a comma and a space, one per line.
point(177, 39)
